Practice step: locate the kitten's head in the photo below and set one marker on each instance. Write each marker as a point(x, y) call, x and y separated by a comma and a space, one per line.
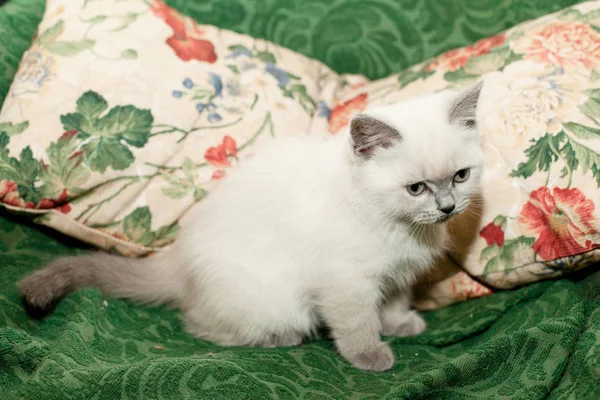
point(420, 160)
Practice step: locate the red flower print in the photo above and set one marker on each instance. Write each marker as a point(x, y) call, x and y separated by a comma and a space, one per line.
point(10, 195)
point(59, 203)
point(457, 58)
point(6, 187)
point(188, 49)
point(342, 113)
point(219, 156)
point(561, 219)
point(65, 209)
point(45, 203)
point(13, 199)
point(492, 233)
point(464, 287)
point(570, 44)
point(218, 174)
point(185, 40)
point(68, 134)
point(171, 16)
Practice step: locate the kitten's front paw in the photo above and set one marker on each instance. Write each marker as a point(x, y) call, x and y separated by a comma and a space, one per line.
point(405, 324)
point(379, 358)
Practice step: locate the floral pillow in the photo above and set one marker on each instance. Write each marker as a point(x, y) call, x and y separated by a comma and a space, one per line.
point(540, 124)
point(116, 123)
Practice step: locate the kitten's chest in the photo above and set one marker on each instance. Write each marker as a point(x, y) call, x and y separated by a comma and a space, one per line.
point(410, 255)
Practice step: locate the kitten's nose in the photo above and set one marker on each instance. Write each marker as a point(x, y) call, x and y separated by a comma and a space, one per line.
point(448, 209)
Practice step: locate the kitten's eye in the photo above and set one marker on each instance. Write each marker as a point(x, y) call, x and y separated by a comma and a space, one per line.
point(462, 175)
point(470, 123)
point(416, 188)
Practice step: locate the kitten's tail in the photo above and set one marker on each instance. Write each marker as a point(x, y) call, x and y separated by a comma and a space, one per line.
point(145, 280)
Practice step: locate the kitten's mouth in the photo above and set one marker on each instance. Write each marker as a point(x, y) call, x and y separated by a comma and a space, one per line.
point(445, 218)
point(437, 221)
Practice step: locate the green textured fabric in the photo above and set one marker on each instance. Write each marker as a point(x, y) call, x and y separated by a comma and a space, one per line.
point(371, 37)
point(541, 341)
point(18, 21)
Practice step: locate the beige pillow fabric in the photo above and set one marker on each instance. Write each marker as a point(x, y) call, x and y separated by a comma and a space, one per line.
point(115, 125)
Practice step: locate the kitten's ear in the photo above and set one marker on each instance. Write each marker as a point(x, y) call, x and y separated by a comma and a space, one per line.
point(369, 133)
point(464, 107)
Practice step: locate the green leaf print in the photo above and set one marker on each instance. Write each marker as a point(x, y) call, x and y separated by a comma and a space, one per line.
point(23, 170)
point(539, 156)
point(459, 76)
point(591, 107)
point(91, 105)
point(299, 93)
point(108, 136)
point(51, 34)
point(65, 169)
point(70, 48)
point(234, 69)
point(548, 149)
point(104, 152)
point(166, 234)
point(502, 258)
point(266, 57)
point(588, 160)
point(408, 76)
point(129, 54)
point(483, 64)
point(582, 131)
point(189, 169)
point(13, 129)
point(180, 187)
point(138, 226)
point(239, 48)
point(127, 122)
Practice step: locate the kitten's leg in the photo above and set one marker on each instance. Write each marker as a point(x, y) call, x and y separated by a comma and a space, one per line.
point(354, 322)
point(397, 319)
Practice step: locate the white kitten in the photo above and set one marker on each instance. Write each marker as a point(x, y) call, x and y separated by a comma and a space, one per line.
point(312, 231)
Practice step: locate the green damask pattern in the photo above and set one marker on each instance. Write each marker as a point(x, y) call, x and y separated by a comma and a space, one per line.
point(541, 341)
point(18, 20)
point(371, 37)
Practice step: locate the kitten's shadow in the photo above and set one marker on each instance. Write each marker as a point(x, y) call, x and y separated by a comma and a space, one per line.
point(434, 289)
point(464, 230)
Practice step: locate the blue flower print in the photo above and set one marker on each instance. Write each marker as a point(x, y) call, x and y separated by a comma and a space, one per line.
point(217, 83)
point(187, 83)
point(282, 77)
point(200, 107)
point(323, 110)
point(177, 94)
point(214, 117)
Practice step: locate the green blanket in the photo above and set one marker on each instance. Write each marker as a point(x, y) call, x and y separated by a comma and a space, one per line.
point(541, 341)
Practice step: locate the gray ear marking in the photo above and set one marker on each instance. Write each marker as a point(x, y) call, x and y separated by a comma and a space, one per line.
point(464, 107)
point(369, 133)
